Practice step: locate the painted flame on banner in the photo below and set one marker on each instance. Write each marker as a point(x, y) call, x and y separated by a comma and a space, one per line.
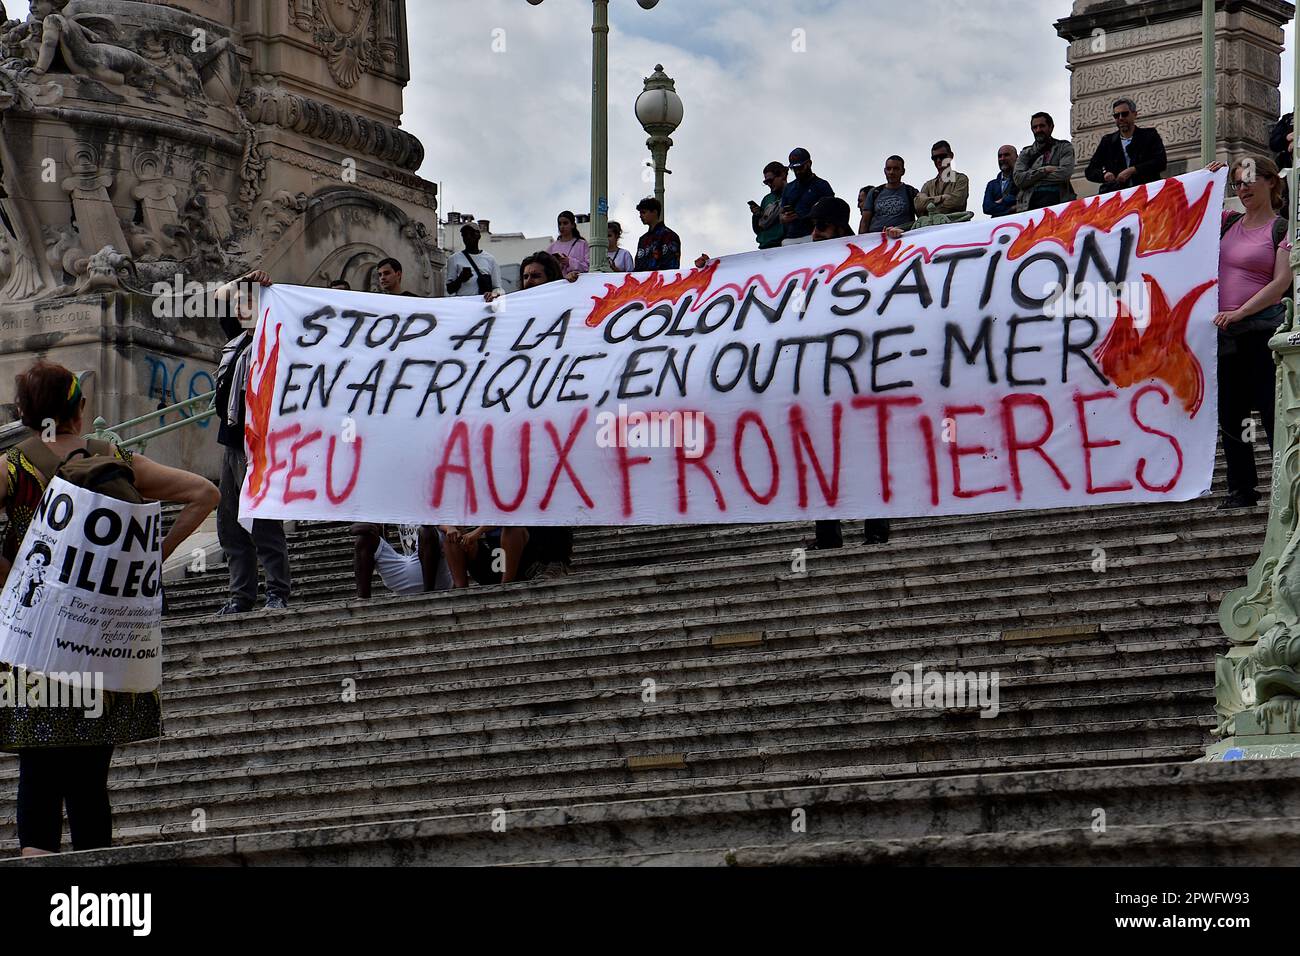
point(652, 289)
point(1165, 224)
point(259, 393)
point(883, 258)
point(1128, 356)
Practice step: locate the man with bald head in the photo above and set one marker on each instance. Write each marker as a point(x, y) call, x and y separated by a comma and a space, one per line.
point(1000, 193)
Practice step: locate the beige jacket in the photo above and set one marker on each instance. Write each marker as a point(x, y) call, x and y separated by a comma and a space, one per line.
point(948, 197)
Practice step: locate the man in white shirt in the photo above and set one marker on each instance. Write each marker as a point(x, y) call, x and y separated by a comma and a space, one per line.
point(471, 271)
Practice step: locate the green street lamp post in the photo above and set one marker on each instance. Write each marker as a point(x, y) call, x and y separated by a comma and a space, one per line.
point(659, 110)
point(1209, 119)
point(598, 242)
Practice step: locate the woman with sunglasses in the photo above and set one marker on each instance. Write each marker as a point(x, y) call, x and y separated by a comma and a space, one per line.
point(1254, 275)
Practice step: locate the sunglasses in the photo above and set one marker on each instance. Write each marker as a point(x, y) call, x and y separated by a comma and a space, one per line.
point(1125, 114)
point(941, 157)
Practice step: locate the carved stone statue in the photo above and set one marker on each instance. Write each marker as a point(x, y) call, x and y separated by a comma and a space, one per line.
point(102, 271)
point(86, 53)
point(177, 162)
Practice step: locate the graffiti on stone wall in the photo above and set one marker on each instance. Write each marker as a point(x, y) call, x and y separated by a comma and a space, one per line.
point(173, 380)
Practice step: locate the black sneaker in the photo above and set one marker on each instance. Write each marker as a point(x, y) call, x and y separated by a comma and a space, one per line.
point(276, 603)
point(1239, 499)
point(233, 607)
point(814, 546)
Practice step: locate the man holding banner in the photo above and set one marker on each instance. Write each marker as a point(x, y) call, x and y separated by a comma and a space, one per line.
point(831, 221)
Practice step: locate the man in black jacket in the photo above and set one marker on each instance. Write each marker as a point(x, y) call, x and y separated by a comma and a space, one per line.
point(1129, 156)
point(1280, 140)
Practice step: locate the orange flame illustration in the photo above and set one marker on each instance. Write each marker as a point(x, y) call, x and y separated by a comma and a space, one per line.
point(883, 259)
point(1128, 356)
point(650, 291)
point(1166, 223)
point(258, 403)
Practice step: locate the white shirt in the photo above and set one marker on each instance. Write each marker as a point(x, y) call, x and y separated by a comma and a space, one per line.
point(621, 261)
point(487, 264)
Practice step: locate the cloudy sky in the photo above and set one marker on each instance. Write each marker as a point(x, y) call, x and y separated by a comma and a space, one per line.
point(864, 82)
point(500, 96)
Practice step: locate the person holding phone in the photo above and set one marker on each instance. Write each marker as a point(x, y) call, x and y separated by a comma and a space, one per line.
point(570, 249)
point(767, 215)
point(799, 197)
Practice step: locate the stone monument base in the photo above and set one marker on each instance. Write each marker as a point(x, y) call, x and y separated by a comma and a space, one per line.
point(139, 362)
point(1253, 747)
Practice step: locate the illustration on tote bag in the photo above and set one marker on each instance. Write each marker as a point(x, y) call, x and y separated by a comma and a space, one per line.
point(27, 591)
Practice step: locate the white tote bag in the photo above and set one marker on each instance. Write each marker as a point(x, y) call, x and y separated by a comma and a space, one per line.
point(84, 595)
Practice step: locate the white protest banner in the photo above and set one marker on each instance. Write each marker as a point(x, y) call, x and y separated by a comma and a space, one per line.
point(1056, 358)
point(84, 594)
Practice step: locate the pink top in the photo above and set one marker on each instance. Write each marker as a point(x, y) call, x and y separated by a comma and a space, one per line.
point(1246, 262)
point(576, 250)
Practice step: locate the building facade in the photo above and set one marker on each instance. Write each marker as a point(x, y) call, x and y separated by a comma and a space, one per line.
point(1151, 50)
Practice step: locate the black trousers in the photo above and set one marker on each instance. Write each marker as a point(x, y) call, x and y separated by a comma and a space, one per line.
point(50, 778)
point(1246, 383)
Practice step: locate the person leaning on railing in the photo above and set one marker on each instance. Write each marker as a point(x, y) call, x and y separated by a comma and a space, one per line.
point(1254, 275)
point(63, 753)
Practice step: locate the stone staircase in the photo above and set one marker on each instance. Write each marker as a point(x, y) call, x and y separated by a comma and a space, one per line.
point(692, 695)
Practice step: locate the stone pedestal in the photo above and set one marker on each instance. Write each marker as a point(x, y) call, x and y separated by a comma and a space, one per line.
point(138, 361)
point(1150, 50)
point(150, 145)
point(1254, 747)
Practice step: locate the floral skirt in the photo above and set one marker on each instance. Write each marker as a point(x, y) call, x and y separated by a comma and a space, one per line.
point(123, 718)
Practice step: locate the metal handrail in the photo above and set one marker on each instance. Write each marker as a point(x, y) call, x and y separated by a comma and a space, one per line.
point(104, 433)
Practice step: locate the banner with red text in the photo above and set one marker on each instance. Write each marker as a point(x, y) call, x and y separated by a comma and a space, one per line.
point(1056, 358)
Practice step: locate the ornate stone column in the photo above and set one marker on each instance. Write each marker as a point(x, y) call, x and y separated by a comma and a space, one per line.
point(1151, 50)
point(1257, 683)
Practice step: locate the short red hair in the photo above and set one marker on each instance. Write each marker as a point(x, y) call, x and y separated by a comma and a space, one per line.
point(47, 392)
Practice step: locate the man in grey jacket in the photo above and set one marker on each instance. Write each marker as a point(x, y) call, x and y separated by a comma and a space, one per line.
point(1043, 169)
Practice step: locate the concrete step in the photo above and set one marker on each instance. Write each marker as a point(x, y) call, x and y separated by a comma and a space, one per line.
point(1051, 595)
point(779, 656)
point(748, 740)
point(327, 580)
point(1174, 813)
point(1179, 617)
point(312, 731)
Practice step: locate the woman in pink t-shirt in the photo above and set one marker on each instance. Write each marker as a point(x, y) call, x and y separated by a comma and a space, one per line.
point(570, 249)
point(1254, 274)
